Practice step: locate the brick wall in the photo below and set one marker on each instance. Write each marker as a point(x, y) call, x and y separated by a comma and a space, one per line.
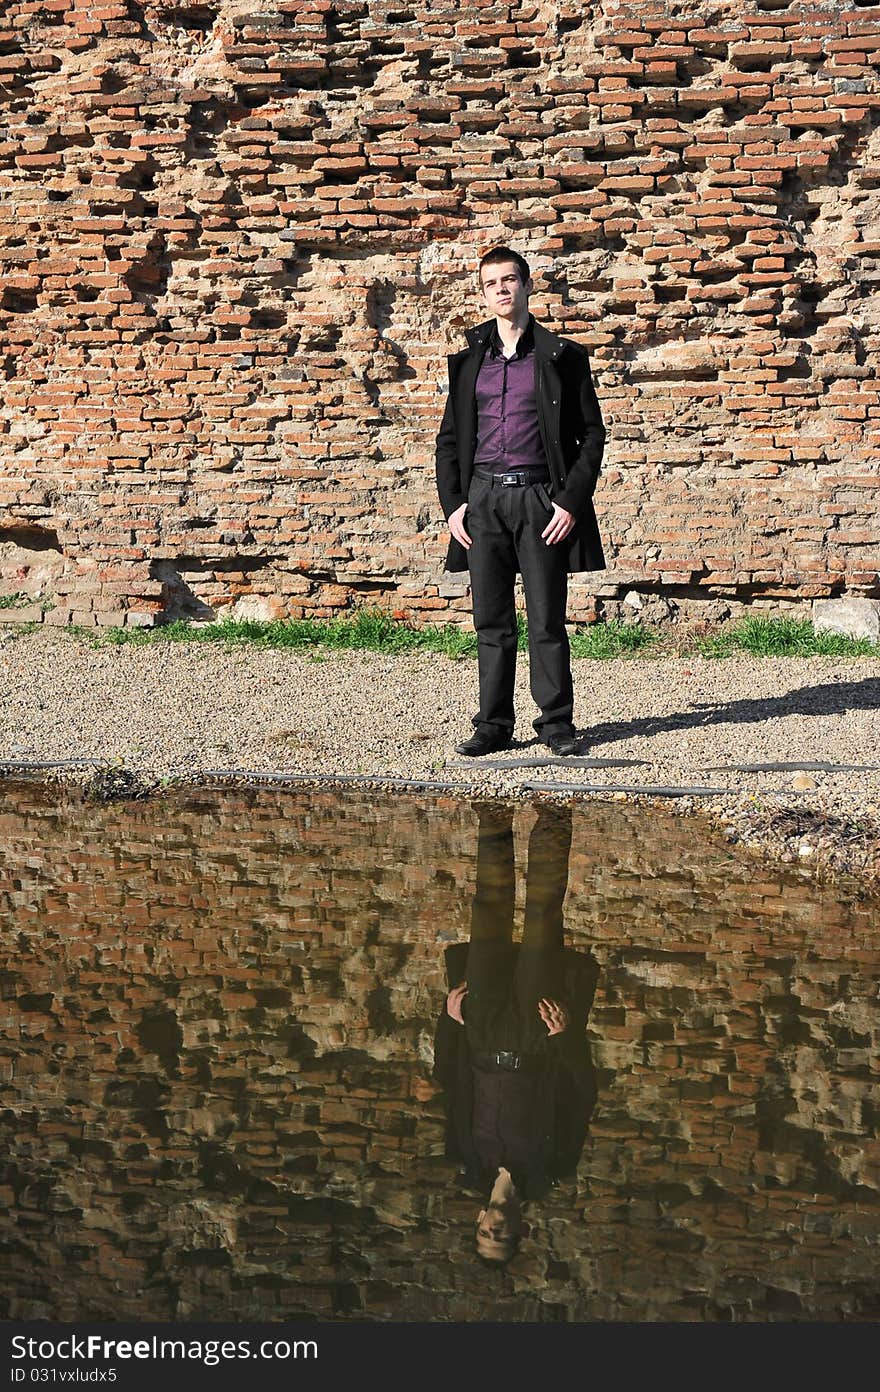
point(237, 243)
point(212, 1012)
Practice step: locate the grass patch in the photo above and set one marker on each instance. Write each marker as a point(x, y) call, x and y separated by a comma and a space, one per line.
point(374, 630)
point(782, 638)
point(710, 645)
point(368, 630)
point(615, 639)
point(20, 600)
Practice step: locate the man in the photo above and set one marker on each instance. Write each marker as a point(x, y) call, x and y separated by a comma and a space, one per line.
point(511, 1052)
point(518, 454)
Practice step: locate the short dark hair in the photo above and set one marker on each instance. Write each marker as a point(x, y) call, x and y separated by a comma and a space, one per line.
point(503, 253)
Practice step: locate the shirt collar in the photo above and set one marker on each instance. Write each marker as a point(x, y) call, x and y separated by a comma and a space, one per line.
point(524, 344)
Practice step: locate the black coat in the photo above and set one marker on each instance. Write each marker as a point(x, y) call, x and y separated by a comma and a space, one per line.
point(567, 1086)
point(571, 429)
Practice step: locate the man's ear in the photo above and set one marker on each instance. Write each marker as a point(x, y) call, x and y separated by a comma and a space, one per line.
point(529, 286)
point(480, 1216)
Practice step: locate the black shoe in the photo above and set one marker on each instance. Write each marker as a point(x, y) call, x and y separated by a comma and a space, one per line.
point(483, 742)
point(563, 744)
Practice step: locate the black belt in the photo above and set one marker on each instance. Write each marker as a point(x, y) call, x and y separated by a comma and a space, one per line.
point(513, 478)
point(503, 1061)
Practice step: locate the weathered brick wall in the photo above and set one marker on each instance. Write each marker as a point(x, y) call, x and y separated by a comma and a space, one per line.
point(213, 1013)
point(237, 243)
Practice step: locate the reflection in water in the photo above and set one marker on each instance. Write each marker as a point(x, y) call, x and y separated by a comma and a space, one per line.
point(217, 1024)
point(511, 1051)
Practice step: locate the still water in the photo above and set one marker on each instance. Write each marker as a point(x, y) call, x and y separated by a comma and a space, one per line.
point(217, 1047)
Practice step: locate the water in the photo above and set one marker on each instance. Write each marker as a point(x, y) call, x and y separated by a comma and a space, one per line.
point(218, 1015)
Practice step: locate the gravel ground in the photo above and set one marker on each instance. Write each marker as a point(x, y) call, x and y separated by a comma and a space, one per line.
point(188, 710)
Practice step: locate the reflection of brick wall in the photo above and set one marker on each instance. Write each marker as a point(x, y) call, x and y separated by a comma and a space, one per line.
point(212, 1014)
point(236, 246)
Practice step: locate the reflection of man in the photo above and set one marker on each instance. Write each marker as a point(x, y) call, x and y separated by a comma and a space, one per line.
point(511, 1052)
point(518, 454)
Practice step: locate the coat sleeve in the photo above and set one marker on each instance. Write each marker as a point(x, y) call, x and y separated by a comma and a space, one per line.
point(447, 462)
point(448, 1041)
point(574, 1101)
point(581, 406)
point(570, 1127)
point(452, 1071)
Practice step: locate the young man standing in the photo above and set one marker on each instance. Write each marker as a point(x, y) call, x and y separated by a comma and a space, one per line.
point(518, 454)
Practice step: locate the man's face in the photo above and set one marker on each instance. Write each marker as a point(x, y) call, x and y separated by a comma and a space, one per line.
point(504, 293)
point(498, 1230)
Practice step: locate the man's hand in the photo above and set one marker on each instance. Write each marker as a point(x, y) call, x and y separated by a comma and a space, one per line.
point(554, 1015)
point(454, 1001)
point(456, 526)
point(558, 527)
point(424, 1089)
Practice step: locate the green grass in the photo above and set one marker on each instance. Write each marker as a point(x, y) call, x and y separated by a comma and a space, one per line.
point(615, 639)
point(782, 638)
point(374, 630)
point(369, 630)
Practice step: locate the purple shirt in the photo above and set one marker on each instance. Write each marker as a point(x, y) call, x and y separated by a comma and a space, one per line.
point(508, 436)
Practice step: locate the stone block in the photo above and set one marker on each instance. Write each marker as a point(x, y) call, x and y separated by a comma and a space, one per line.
point(852, 617)
point(453, 584)
point(22, 614)
point(258, 607)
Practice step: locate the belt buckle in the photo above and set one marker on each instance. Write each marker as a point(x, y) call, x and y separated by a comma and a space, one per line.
point(511, 480)
point(505, 1059)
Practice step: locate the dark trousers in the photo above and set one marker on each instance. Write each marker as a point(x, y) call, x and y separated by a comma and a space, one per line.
point(505, 982)
point(505, 526)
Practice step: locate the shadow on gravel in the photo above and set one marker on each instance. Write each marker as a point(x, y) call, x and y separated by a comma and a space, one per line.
point(832, 698)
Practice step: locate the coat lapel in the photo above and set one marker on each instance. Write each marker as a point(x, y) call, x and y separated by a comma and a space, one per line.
point(464, 388)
